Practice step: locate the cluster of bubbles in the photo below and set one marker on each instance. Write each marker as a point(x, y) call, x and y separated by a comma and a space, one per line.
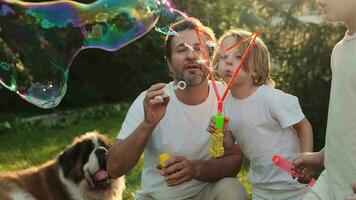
point(39, 41)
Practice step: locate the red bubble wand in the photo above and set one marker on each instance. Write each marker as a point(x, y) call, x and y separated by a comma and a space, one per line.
point(286, 166)
point(216, 140)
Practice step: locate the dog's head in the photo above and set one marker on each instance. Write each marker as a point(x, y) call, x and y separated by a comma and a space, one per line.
point(82, 168)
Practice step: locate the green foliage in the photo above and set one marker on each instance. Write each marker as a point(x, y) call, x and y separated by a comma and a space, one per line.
point(301, 59)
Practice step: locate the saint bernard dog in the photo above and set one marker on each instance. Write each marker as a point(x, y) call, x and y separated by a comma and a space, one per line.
point(78, 173)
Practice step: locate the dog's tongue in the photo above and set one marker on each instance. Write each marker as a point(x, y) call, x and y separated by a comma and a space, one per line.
point(101, 175)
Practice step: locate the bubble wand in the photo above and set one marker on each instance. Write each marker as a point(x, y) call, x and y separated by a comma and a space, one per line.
point(286, 166)
point(216, 148)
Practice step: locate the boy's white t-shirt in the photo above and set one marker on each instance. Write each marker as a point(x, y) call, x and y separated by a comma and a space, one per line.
point(340, 144)
point(181, 132)
point(261, 125)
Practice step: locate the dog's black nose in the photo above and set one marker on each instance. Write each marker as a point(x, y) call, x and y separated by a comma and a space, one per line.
point(100, 150)
point(100, 153)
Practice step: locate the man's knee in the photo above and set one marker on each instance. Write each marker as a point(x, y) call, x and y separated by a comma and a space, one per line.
point(230, 188)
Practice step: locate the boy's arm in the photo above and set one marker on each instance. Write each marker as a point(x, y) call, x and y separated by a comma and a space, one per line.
point(305, 134)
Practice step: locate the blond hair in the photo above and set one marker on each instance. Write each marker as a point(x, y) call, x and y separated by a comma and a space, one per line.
point(258, 59)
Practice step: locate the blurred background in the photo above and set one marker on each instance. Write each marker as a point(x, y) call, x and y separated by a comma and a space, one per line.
point(103, 84)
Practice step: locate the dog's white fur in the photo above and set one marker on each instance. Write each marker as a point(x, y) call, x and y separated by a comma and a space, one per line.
point(13, 191)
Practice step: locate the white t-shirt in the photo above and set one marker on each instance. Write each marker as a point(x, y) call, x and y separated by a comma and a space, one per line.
point(181, 132)
point(340, 144)
point(261, 125)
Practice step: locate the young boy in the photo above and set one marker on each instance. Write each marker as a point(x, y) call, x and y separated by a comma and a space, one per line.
point(340, 145)
point(263, 121)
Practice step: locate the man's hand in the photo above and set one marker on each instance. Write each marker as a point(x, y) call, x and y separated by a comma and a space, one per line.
point(178, 170)
point(154, 105)
point(353, 196)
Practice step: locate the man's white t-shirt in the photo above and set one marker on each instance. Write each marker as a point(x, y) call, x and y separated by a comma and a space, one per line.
point(261, 125)
point(181, 132)
point(340, 144)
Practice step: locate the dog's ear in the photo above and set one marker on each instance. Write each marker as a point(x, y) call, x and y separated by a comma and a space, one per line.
point(73, 159)
point(68, 159)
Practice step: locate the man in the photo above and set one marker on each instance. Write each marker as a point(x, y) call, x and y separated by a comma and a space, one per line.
point(177, 125)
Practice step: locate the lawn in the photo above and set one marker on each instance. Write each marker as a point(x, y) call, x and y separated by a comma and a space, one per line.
point(30, 142)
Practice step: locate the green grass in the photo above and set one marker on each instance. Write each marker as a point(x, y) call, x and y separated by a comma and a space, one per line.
point(24, 146)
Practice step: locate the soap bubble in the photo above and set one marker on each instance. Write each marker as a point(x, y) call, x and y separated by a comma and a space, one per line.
point(39, 41)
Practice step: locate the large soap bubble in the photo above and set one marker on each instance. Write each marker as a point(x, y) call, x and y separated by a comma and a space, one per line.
point(38, 41)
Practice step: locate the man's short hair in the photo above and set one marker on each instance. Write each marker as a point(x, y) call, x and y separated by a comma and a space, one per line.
point(189, 23)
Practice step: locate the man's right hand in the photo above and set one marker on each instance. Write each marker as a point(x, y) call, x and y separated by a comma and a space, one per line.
point(154, 106)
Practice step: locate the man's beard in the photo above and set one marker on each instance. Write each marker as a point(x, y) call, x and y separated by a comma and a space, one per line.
point(191, 79)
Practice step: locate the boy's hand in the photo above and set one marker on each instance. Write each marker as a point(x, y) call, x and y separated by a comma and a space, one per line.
point(306, 163)
point(211, 127)
point(229, 140)
point(353, 196)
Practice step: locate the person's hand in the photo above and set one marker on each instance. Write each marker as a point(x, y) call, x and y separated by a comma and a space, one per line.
point(229, 140)
point(178, 170)
point(305, 163)
point(211, 127)
point(353, 196)
point(154, 105)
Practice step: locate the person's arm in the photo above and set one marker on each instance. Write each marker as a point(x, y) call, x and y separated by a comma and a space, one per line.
point(314, 160)
point(306, 163)
point(178, 170)
point(227, 166)
point(305, 134)
point(124, 154)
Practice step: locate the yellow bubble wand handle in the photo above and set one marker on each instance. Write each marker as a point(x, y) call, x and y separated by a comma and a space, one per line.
point(162, 159)
point(216, 148)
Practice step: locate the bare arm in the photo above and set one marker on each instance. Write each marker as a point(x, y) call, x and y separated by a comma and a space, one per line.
point(119, 159)
point(227, 166)
point(306, 163)
point(312, 160)
point(305, 134)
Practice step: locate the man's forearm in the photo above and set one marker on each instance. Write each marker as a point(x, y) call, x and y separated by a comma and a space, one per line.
point(124, 154)
point(227, 166)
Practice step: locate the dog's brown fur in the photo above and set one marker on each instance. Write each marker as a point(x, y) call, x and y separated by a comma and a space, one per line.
point(44, 182)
